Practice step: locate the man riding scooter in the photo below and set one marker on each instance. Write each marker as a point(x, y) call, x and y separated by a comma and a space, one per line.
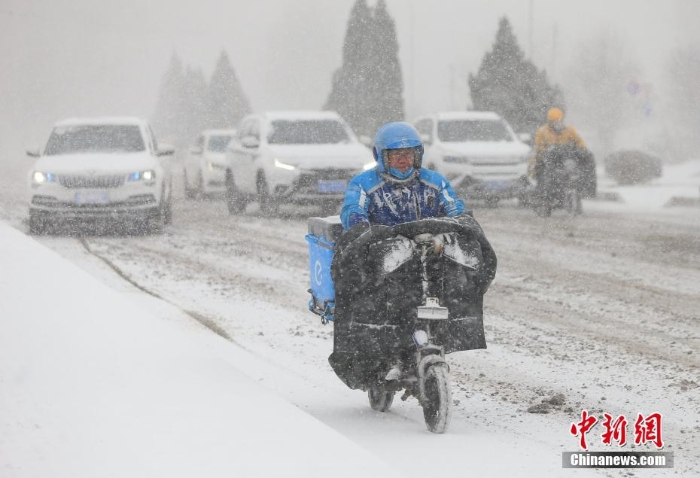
point(377, 271)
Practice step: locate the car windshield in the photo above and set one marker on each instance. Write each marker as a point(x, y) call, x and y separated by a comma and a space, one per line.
point(217, 144)
point(95, 138)
point(457, 131)
point(307, 132)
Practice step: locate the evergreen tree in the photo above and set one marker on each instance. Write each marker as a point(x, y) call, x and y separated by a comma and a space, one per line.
point(385, 80)
point(170, 108)
point(346, 96)
point(367, 88)
point(227, 104)
point(195, 104)
point(511, 85)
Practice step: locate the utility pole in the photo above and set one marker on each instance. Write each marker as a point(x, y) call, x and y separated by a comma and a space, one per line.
point(452, 86)
point(555, 39)
point(532, 29)
point(412, 70)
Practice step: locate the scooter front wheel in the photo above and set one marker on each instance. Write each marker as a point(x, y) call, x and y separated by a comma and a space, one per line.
point(379, 398)
point(437, 398)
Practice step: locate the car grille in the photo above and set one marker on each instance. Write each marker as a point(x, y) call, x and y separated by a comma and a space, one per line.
point(311, 177)
point(93, 182)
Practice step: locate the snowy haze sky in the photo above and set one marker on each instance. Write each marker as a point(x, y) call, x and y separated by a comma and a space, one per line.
point(91, 57)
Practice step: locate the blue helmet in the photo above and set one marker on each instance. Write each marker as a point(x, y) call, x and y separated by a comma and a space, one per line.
point(397, 136)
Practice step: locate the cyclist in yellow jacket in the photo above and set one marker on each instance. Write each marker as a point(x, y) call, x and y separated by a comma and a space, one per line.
point(554, 132)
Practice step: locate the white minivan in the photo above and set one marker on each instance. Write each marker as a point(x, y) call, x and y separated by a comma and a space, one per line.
point(477, 151)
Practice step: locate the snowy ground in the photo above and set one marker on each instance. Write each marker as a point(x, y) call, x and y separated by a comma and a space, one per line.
point(598, 313)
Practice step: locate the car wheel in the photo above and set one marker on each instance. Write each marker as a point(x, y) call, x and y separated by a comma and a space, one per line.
point(37, 225)
point(199, 185)
point(189, 192)
point(168, 212)
point(156, 223)
point(268, 205)
point(235, 201)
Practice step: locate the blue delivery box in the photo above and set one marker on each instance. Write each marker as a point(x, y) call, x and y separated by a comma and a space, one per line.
point(322, 236)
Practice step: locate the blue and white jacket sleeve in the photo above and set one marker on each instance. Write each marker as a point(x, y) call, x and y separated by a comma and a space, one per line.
point(355, 205)
point(449, 201)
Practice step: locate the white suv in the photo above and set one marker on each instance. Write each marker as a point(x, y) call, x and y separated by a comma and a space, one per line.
point(477, 151)
point(293, 157)
point(100, 168)
point(205, 163)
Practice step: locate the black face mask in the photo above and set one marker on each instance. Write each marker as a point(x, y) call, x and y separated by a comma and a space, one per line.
point(557, 127)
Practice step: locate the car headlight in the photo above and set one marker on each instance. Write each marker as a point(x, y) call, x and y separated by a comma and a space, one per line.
point(369, 166)
point(148, 176)
point(281, 165)
point(456, 159)
point(41, 177)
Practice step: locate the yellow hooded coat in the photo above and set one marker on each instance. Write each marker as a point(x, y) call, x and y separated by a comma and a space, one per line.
point(546, 137)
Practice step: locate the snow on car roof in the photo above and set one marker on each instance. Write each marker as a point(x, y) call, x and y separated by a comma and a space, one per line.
point(468, 115)
point(301, 114)
point(125, 120)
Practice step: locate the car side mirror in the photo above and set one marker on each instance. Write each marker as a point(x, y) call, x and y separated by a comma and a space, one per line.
point(426, 138)
point(33, 152)
point(250, 142)
point(165, 150)
point(195, 151)
point(525, 138)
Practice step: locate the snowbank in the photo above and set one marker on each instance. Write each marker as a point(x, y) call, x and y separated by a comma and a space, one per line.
point(91, 385)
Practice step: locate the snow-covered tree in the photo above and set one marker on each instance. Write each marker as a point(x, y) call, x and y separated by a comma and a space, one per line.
point(227, 104)
point(385, 86)
point(195, 103)
point(169, 117)
point(367, 88)
point(511, 85)
point(347, 96)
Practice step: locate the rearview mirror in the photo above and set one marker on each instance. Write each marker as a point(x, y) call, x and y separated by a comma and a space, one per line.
point(426, 138)
point(33, 152)
point(195, 151)
point(525, 137)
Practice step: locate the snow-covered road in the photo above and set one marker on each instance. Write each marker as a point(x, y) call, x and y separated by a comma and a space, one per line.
point(600, 312)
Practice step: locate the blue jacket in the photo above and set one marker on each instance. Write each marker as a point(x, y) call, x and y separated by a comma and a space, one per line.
point(371, 198)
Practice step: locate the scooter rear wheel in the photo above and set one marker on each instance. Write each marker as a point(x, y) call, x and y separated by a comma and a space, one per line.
point(436, 406)
point(379, 398)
